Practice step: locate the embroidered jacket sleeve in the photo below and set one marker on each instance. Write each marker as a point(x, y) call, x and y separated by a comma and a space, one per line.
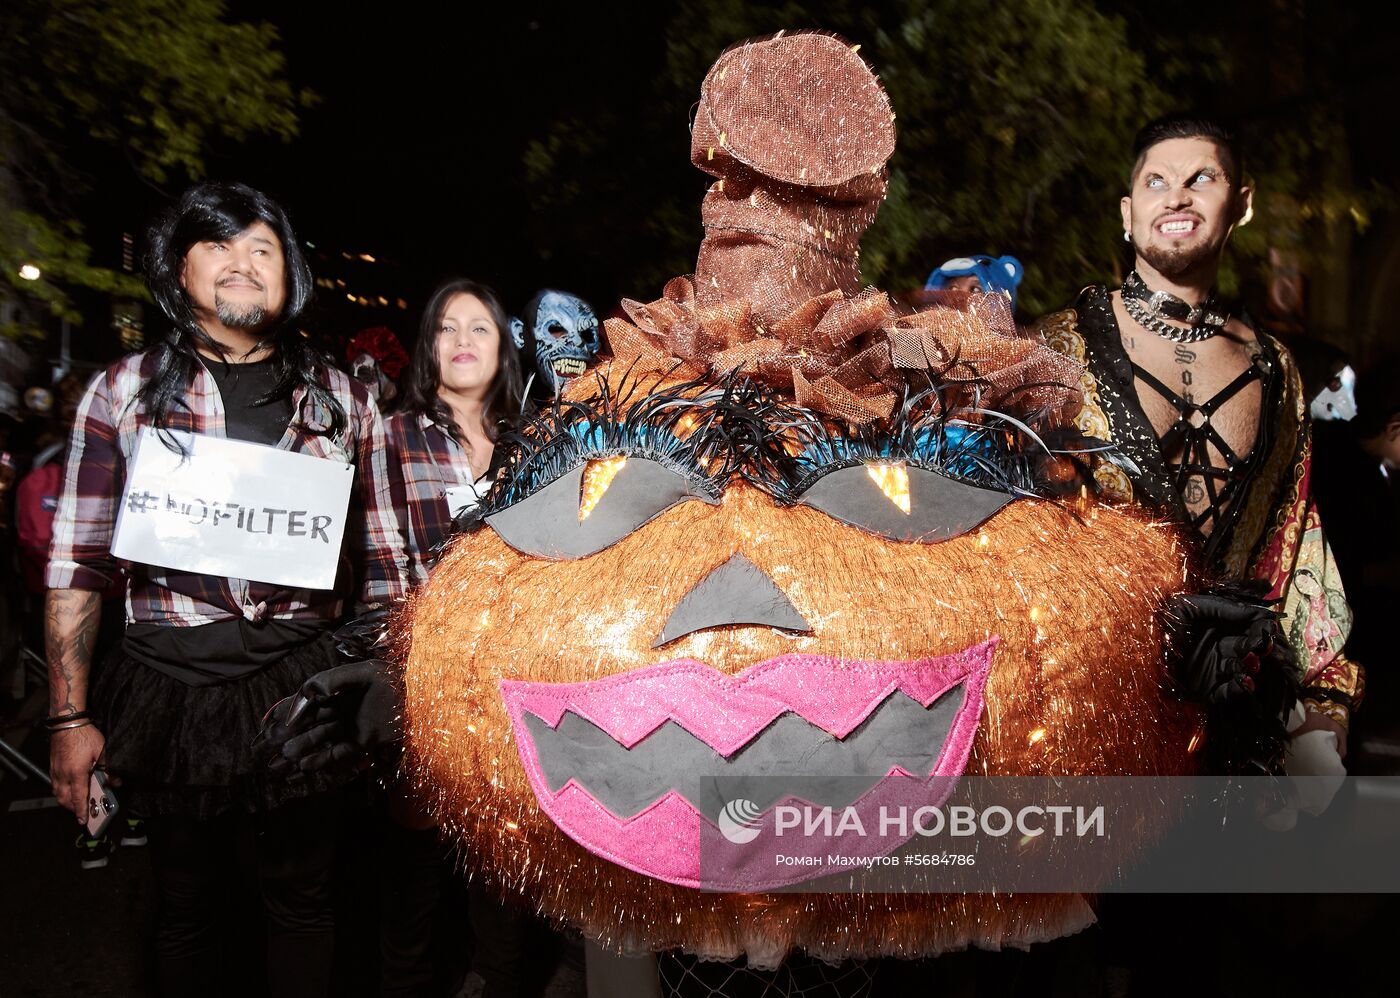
point(1281, 543)
point(79, 552)
point(1297, 564)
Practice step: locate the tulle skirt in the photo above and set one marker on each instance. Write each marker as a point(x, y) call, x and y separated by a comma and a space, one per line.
point(181, 749)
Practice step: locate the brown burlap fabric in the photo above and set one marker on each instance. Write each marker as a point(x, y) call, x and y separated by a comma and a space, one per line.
point(797, 130)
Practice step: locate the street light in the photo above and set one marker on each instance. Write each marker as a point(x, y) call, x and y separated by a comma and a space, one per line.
point(29, 272)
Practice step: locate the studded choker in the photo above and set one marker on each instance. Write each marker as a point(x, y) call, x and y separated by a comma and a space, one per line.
point(1150, 310)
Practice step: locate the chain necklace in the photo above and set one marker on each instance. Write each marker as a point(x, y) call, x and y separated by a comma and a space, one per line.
point(1150, 309)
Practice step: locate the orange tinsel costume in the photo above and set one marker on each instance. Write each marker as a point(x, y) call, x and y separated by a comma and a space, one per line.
point(637, 604)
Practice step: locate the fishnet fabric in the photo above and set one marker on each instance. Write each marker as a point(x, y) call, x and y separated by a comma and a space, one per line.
point(797, 130)
point(800, 976)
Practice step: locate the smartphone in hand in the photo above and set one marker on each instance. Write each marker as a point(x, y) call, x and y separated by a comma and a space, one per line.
point(102, 805)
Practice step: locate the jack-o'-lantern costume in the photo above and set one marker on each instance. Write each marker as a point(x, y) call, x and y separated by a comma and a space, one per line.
point(782, 510)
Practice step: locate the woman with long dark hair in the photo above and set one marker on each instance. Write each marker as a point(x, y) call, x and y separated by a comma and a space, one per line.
point(463, 388)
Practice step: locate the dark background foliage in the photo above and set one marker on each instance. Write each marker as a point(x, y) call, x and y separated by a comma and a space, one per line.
point(534, 145)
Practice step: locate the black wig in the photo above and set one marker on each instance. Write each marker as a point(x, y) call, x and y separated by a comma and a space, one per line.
point(216, 212)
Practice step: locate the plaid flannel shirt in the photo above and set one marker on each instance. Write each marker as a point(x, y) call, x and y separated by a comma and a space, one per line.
point(105, 434)
point(424, 462)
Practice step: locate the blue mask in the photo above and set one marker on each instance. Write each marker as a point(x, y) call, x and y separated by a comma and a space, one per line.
point(558, 336)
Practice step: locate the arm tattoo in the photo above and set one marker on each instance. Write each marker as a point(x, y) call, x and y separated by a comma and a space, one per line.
point(71, 618)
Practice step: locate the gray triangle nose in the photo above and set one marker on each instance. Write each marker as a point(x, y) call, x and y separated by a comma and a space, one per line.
point(738, 592)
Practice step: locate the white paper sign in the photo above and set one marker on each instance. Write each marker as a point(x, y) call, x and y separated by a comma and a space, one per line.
point(463, 497)
point(234, 509)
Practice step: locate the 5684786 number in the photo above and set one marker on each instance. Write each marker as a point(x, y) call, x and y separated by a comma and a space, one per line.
point(940, 859)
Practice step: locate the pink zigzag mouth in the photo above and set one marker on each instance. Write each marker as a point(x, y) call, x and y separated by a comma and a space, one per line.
point(727, 712)
point(664, 839)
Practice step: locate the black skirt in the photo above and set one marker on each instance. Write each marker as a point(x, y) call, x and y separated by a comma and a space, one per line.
point(182, 749)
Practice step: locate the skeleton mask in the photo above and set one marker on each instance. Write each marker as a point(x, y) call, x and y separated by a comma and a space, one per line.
point(559, 334)
point(376, 359)
point(1338, 399)
point(365, 369)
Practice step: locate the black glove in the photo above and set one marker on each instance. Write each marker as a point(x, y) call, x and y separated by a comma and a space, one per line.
point(1221, 642)
point(365, 637)
point(1233, 657)
point(340, 719)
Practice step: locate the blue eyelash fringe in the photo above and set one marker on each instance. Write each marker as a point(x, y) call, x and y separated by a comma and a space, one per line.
point(710, 429)
point(699, 429)
point(979, 446)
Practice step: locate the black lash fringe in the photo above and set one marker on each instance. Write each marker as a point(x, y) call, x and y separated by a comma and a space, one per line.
point(711, 428)
point(974, 444)
point(701, 429)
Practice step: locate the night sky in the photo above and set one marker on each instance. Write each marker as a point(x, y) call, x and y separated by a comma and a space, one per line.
point(414, 153)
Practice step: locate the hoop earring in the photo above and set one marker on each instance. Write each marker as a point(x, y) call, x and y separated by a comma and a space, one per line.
point(1126, 237)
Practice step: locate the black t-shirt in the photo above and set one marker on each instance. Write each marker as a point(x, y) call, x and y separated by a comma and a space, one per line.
point(240, 385)
point(229, 649)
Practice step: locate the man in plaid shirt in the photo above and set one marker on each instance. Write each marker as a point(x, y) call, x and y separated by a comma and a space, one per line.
point(173, 712)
